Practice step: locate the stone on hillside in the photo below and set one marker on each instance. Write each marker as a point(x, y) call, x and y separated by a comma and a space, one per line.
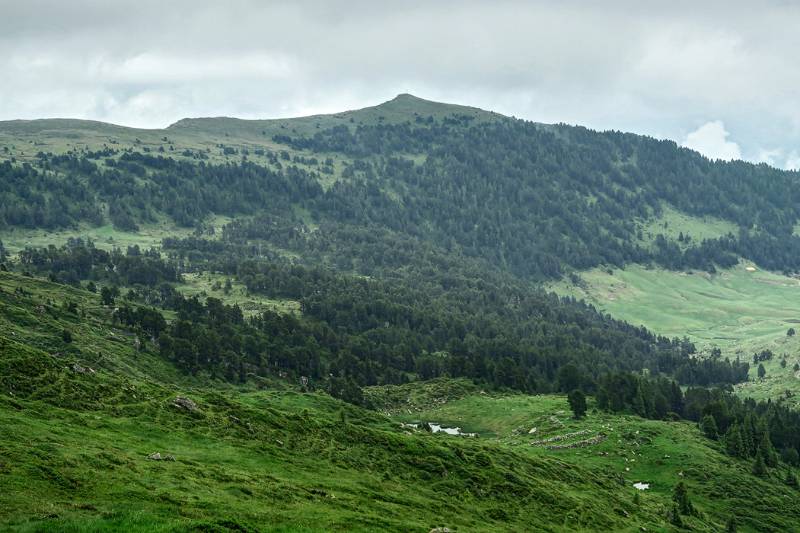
point(158, 457)
point(182, 402)
point(78, 369)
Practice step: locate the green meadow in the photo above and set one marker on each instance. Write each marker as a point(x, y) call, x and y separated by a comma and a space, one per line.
point(80, 421)
point(740, 311)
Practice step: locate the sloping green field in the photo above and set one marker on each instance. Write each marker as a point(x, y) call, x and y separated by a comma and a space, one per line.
point(80, 420)
point(739, 310)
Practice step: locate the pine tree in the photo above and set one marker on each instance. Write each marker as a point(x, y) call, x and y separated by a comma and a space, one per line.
point(748, 436)
point(759, 468)
point(791, 479)
point(708, 425)
point(730, 527)
point(733, 441)
point(675, 516)
point(766, 451)
point(639, 406)
point(681, 498)
point(676, 398)
point(577, 402)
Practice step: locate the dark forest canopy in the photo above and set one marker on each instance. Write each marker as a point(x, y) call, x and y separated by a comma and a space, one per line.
point(357, 331)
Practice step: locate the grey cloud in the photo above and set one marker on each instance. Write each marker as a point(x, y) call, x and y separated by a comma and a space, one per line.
point(664, 69)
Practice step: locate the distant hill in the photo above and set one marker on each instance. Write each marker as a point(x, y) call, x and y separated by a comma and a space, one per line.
point(538, 201)
point(60, 135)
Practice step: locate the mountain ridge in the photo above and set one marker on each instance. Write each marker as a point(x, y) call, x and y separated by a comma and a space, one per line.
point(402, 103)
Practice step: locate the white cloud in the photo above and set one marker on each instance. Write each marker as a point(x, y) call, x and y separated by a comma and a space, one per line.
point(769, 157)
point(711, 140)
point(156, 68)
point(793, 161)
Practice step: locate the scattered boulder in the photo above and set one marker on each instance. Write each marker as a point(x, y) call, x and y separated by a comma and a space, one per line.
point(182, 402)
point(597, 439)
point(440, 530)
point(158, 457)
point(78, 369)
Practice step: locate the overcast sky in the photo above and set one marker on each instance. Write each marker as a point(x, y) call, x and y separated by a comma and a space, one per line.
point(723, 79)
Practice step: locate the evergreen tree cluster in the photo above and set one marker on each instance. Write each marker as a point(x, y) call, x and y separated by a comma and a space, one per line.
point(80, 260)
point(747, 429)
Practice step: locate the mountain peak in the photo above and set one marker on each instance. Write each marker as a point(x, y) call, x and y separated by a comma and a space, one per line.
point(407, 97)
point(405, 106)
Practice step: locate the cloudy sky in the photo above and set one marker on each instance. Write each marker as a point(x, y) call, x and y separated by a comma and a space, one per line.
point(723, 79)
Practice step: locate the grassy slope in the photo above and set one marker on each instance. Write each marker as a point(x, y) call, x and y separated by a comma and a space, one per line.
point(672, 223)
point(74, 446)
point(635, 450)
point(739, 311)
point(204, 284)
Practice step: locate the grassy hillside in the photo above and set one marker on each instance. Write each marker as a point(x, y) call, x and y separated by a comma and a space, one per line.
point(78, 431)
point(423, 191)
point(672, 224)
point(80, 420)
point(631, 449)
point(738, 310)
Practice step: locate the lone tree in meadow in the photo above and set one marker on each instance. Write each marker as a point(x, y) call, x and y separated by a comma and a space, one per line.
point(681, 498)
point(577, 402)
point(761, 371)
point(790, 332)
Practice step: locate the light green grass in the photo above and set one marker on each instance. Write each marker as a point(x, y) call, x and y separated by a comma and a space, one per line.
point(105, 237)
point(734, 309)
point(739, 311)
point(634, 450)
point(212, 284)
point(672, 223)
